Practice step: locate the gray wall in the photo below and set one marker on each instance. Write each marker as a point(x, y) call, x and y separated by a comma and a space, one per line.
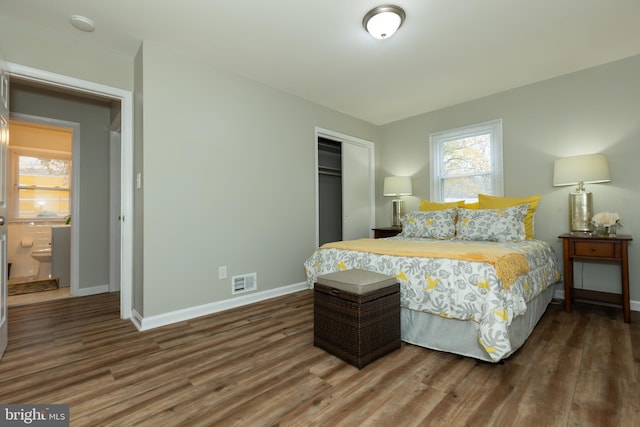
point(229, 179)
point(595, 110)
point(94, 119)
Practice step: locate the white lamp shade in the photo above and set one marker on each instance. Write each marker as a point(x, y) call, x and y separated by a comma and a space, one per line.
point(588, 169)
point(397, 186)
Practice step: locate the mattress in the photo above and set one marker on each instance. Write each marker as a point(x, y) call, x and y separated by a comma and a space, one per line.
point(450, 287)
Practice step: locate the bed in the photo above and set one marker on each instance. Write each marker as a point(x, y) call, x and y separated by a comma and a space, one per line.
point(459, 292)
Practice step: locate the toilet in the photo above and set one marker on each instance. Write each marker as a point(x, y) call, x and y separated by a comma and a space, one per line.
point(43, 256)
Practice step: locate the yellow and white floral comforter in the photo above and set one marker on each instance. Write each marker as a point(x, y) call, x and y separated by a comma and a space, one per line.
point(489, 283)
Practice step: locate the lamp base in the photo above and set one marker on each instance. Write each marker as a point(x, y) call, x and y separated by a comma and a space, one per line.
point(396, 212)
point(580, 211)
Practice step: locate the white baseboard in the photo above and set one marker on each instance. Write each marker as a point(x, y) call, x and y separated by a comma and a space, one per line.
point(559, 294)
point(136, 319)
point(145, 323)
point(83, 292)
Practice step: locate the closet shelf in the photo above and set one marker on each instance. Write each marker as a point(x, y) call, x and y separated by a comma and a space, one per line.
point(329, 147)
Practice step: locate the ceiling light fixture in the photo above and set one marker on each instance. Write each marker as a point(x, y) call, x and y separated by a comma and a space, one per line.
point(82, 23)
point(383, 21)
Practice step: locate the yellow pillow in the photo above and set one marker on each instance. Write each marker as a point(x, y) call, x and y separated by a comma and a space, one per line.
point(496, 202)
point(426, 205)
point(474, 205)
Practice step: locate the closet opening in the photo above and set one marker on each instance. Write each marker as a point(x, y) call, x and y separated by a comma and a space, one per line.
point(330, 190)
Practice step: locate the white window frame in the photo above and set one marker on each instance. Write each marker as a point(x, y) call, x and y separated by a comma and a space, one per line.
point(436, 141)
point(14, 153)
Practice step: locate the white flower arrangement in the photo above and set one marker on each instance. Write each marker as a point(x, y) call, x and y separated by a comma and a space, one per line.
point(607, 219)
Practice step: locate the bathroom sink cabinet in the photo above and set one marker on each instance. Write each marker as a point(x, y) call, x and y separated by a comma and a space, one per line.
point(61, 254)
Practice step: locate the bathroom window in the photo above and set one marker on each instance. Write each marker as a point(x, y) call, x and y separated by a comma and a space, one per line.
point(39, 184)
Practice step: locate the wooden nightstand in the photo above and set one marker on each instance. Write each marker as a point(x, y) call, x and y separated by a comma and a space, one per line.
point(586, 247)
point(379, 233)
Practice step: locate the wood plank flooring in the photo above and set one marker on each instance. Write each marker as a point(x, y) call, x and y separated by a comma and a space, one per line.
point(256, 366)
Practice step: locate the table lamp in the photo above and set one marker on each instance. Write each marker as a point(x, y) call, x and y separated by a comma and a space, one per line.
point(580, 170)
point(396, 186)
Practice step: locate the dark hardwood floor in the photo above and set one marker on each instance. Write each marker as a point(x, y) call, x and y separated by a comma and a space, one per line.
point(256, 366)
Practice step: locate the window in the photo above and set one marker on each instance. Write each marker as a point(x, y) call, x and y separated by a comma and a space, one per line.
point(40, 184)
point(466, 161)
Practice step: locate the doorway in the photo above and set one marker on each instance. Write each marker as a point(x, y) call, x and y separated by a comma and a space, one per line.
point(345, 200)
point(65, 84)
point(41, 173)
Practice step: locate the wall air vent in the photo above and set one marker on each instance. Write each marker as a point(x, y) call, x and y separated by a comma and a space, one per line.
point(244, 283)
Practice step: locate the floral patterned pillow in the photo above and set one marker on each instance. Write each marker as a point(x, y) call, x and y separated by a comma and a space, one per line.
point(496, 225)
point(430, 225)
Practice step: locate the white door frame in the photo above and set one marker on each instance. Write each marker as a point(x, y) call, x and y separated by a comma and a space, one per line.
point(4, 227)
point(114, 206)
point(126, 174)
point(343, 138)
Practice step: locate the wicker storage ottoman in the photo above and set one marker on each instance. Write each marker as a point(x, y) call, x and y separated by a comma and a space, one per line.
point(356, 315)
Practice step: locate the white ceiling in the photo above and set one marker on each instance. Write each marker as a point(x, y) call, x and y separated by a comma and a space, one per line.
point(446, 52)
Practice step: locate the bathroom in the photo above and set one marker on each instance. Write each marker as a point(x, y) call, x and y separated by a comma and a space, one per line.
point(38, 246)
point(30, 250)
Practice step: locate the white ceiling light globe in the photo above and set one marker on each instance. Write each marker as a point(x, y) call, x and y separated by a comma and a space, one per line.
point(383, 25)
point(383, 21)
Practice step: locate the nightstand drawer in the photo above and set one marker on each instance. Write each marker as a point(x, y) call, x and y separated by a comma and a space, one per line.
point(595, 249)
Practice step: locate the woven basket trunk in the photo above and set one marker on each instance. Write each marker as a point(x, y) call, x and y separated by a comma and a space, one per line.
point(357, 328)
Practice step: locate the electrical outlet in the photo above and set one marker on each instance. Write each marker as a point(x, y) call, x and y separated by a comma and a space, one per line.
point(222, 272)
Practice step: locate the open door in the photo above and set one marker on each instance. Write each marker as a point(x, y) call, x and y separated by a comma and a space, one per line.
point(4, 142)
